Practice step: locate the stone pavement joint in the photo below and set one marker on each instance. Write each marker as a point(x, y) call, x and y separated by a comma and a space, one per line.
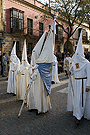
point(59, 84)
point(57, 121)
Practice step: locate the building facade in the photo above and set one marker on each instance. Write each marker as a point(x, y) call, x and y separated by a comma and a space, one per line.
point(85, 37)
point(23, 19)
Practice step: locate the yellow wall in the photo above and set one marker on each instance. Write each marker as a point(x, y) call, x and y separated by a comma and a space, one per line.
point(1, 17)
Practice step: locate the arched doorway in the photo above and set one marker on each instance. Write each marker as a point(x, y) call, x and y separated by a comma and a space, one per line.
point(68, 47)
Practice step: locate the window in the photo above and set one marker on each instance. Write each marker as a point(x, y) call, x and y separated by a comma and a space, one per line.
point(29, 26)
point(58, 48)
point(41, 29)
point(17, 20)
point(29, 47)
point(1, 2)
point(84, 34)
point(17, 47)
point(79, 31)
point(59, 32)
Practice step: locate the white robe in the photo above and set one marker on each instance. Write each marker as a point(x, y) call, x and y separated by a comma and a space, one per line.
point(14, 67)
point(38, 98)
point(74, 103)
point(70, 97)
point(55, 70)
point(23, 77)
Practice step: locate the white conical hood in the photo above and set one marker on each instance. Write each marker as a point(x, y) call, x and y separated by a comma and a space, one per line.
point(53, 28)
point(14, 49)
point(24, 54)
point(79, 56)
point(15, 62)
point(46, 55)
point(39, 44)
point(37, 49)
point(79, 48)
point(13, 53)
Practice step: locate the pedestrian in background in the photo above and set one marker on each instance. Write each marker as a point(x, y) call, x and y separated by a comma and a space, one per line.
point(29, 58)
point(4, 63)
point(8, 61)
point(66, 63)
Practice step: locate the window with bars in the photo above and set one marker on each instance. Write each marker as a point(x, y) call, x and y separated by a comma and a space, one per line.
point(84, 34)
point(17, 20)
point(29, 26)
point(41, 29)
point(59, 32)
point(58, 48)
point(49, 27)
point(29, 47)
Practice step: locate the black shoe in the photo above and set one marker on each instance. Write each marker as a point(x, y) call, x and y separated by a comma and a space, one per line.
point(3, 76)
point(14, 94)
point(52, 82)
point(32, 110)
point(77, 122)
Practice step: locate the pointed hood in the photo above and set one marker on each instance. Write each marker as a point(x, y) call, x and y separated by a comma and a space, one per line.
point(39, 44)
point(53, 28)
point(37, 49)
point(15, 61)
point(46, 55)
point(79, 49)
point(79, 55)
point(13, 53)
point(14, 49)
point(24, 55)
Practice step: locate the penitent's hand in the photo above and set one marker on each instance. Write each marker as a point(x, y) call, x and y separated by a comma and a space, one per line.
point(87, 89)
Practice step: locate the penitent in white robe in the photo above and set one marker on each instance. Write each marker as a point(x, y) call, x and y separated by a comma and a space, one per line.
point(14, 67)
point(55, 70)
point(23, 77)
point(74, 103)
point(38, 98)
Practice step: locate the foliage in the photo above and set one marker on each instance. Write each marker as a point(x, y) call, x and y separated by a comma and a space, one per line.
point(74, 11)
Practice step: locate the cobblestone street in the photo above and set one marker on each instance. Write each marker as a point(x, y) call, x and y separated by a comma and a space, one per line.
point(55, 122)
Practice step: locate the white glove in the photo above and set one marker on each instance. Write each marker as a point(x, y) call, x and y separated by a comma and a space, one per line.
point(30, 81)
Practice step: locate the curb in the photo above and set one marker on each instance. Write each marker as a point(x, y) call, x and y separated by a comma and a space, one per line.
point(3, 78)
point(6, 78)
point(59, 84)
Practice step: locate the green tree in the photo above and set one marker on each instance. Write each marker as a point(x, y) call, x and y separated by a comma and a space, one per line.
point(73, 11)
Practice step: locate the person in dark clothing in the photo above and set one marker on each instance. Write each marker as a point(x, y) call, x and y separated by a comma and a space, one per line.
point(4, 63)
point(8, 60)
point(29, 58)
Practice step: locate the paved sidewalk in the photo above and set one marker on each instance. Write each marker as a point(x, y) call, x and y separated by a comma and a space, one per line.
point(6, 78)
point(55, 122)
point(3, 78)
